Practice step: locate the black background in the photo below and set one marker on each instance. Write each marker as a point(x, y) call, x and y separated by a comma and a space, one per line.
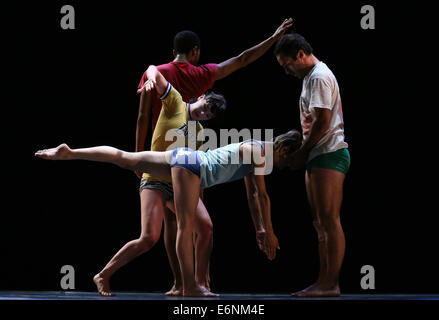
point(79, 87)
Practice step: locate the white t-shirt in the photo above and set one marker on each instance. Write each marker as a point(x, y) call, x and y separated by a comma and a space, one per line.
point(320, 90)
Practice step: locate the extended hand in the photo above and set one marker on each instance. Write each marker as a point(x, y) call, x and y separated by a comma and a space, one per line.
point(147, 86)
point(283, 27)
point(268, 243)
point(271, 244)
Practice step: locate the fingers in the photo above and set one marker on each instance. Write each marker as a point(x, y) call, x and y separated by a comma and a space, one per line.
point(287, 24)
point(147, 86)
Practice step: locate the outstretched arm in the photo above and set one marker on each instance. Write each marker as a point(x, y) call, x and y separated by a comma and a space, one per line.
point(155, 80)
point(260, 210)
point(248, 56)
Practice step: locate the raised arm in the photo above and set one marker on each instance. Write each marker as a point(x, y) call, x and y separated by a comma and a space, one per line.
point(248, 56)
point(260, 210)
point(155, 80)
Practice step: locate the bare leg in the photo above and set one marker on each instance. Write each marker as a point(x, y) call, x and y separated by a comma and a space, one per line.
point(170, 237)
point(156, 163)
point(202, 239)
point(186, 197)
point(152, 210)
point(203, 245)
point(325, 194)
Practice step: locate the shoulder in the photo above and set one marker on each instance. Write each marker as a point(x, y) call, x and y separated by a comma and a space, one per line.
point(253, 148)
point(209, 69)
point(165, 66)
point(170, 94)
point(322, 73)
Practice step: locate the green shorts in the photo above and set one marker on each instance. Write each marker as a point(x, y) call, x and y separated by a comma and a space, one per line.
point(339, 160)
point(163, 186)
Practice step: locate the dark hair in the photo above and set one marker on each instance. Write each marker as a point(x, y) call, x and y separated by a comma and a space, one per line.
point(185, 41)
point(291, 139)
point(216, 102)
point(290, 44)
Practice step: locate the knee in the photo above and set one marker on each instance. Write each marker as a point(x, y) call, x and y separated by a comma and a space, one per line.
point(127, 160)
point(325, 225)
point(205, 229)
point(321, 233)
point(147, 241)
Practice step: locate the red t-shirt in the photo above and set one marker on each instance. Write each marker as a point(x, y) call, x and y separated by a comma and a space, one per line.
point(189, 80)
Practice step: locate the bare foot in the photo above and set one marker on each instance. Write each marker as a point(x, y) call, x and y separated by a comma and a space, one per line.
point(175, 291)
point(198, 291)
point(318, 290)
point(205, 285)
point(62, 152)
point(103, 285)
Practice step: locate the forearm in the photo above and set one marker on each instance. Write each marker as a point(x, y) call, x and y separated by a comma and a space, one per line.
point(318, 130)
point(248, 56)
point(152, 73)
point(265, 205)
point(141, 129)
point(254, 53)
point(255, 212)
point(143, 118)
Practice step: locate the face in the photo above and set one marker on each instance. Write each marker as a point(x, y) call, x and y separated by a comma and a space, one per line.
point(279, 158)
point(291, 66)
point(201, 110)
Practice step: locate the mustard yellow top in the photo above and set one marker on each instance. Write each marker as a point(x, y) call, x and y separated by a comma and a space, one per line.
point(174, 128)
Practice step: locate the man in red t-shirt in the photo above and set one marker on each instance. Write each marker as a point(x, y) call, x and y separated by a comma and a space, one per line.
point(156, 197)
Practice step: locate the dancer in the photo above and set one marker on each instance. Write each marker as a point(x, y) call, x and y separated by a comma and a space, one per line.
point(191, 170)
point(324, 153)
point(155, 193)
point(173, 122)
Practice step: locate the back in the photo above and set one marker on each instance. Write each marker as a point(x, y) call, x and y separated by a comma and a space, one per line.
point(223, 165)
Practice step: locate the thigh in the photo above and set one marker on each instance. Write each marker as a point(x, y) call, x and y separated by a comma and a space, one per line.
point(326, 188)
point(186, 193)
point(152, 206)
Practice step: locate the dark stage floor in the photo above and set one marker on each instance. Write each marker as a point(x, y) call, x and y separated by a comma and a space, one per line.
point(80, 295)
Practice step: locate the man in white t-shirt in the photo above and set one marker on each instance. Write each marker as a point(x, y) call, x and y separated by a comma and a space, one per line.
point(324, 153)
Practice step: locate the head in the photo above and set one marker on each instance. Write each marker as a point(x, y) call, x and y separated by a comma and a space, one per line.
point(292, 52)
point(208, 106)
point(187, 43)
point(284, 145)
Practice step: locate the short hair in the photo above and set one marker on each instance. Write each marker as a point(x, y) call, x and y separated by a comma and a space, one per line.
point(185, 41)
point(290, 44)
point(291, 139)
point(216, 102)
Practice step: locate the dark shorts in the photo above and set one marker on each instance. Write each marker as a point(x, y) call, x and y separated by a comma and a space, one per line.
point(339, 160)
point(186, 158)
point(163, 186)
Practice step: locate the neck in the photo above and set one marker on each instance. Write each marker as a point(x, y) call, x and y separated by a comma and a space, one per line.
point(311, 61)
point(181, 58)
point(191, 107)
point(270, 153)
